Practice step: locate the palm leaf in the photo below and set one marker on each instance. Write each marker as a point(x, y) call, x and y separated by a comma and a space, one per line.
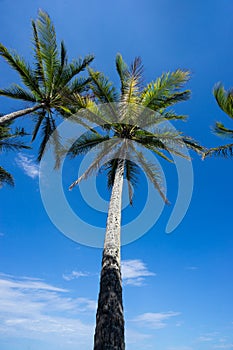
point(16, 92)
point(224, 99)
point(152, 172)
point(6, 178)
point(222, 131)
point(223, 151)
point(85, 143)
point(104, 151)
point(164, 92)
point(24, 70)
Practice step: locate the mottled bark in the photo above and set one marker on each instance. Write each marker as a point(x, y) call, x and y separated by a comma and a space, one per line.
point(109, 332)
point(11, 116)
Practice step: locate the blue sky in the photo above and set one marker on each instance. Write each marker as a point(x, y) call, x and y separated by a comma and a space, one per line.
point(178, 287)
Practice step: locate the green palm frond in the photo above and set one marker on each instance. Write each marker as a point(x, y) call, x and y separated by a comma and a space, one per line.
point(223, 151)
point(133, 82)
point(46, 131)
point(85, 143)
point(194, 145)
point(72, 69)
point(10, 140)
point(103, 151)
point(224, 99)
point(6, 178)
point(102, 88)
point(131, 175)
point(24, 70)
point(17, 92)
point(164, 92)
point(222, 131)
point(123, 72)
point(48, 48)
point(152, 173)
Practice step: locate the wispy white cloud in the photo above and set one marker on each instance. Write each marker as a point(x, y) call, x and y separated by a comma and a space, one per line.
point(223, 346)
point(134, 272)
point(28, 165)
point(34, 309)
point(192, 268)
point(74, 274)
point(155, 320)
point(204, 338)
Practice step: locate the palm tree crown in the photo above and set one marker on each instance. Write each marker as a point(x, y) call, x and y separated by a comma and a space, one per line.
point(132, 118)
point(48, 82)
point(224, 99)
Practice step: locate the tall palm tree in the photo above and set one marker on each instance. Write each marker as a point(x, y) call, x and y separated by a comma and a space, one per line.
point(130, 122)
point(10, 141)
point(47, 82)
point(224, 99)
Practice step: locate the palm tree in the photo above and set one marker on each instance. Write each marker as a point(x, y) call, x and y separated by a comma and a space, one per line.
point(224, 99)
point(9, 141)
point(47, 83)
point(129, 122)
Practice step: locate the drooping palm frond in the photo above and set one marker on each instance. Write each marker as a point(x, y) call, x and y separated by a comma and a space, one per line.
point(152, 172)
point(222, 131)
point(103, 151)
point(224, 99)
point(6, 178)
point(85, 143)
point(24, 70)
point(131, 172)
point(10, 140)
point(223, 151)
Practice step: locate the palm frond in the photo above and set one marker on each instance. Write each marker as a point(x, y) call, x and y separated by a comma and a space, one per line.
point(152, 173)
point(39, 119)
point(6, 178)
point(102, 88)
point(123, 72)
point(39, 67)
point(224, 99)
point(222, 131)
point(164, 92)
point(133, 82)
point(17, 92)
point(72, 69)
point(48, 48)
point(85, 143)
point(24, 70)
point(222, 151)
point(103, 151)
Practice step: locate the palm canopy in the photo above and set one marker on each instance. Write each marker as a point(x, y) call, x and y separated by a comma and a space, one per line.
point(10, 141)
point(131, 120)
point(224, 99)
point(48, 82)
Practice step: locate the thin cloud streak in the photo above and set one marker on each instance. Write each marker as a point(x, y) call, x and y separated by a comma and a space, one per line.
point(28, 165)
point(134, 272)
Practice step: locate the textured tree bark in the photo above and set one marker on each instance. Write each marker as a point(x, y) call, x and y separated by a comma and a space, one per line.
point(109, 332)
point(11, 116)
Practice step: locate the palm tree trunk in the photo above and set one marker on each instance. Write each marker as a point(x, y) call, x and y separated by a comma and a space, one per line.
point(109, 332)
point(11, 116)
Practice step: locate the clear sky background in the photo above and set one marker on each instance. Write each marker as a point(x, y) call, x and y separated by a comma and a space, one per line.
point(177, 288)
